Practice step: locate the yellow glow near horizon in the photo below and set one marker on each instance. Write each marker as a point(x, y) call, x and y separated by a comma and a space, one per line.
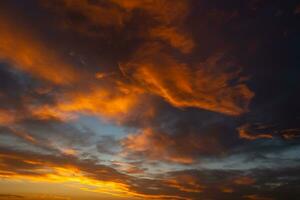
point(70, 176)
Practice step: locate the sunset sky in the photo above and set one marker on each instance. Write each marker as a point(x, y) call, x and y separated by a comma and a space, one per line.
point(149, 99)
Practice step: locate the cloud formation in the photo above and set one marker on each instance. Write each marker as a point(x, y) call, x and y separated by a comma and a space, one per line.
point(149, 99)
point(23, 51)
point(205, 86)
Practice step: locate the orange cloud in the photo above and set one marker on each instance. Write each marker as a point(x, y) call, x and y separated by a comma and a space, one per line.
point(51, 169)
point(175, 37)
point(185, 183)
point(24, 135)
point(144, 142)
point(244, 180)
point(227, 189)
point(205, 86)
point(245, 133)
point(6, 117)
point(256, 197)
point(177, 148)
point(110, 98)
point(24, 51)
point(111, 102)
point(87, 176)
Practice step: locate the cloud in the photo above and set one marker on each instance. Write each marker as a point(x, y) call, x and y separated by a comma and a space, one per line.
point(6, 117)
point(184, 89)
point(103, 101)
point(176, 38)
point(87, 17)
point(244, 181)
point(184, 184)
point(290, 134)
point(173, 146)
point(164, 11)
point(256, 197)
point(26, 52)
point(67, 168)
point(245, 133)
point(107, 145)
point(164, 144)
point(58, 169)
point(95, 18)
point(205, 86)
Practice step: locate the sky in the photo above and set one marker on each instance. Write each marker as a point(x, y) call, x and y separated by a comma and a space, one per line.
point(149, 99)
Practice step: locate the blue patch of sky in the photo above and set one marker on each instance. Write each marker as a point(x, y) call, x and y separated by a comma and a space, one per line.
point(99, 126)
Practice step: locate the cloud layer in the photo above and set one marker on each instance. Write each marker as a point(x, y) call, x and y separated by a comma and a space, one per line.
point(149, 99)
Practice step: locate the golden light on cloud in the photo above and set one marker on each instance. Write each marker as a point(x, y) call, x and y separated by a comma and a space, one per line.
point(69, 176)
point(174, 37)
point(245, 133)
point(148, 99)
point(43, 171)
point(6, 117)
point(205, 87)
point(186, 183)
point(108, 102)
point(76, 178)
point(19, 47)
point(143, 143)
